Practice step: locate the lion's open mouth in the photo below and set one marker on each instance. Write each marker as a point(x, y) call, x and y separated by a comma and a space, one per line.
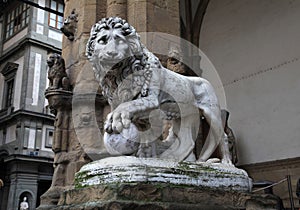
point(50, 63)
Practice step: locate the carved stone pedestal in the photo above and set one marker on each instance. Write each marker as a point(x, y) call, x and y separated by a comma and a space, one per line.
point(134, 183)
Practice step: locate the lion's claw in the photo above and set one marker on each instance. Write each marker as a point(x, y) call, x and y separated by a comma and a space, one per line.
point(117, 121)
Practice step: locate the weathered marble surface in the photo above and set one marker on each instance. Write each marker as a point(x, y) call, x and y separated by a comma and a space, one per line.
point(136, 85)
point(148, 183)
point(129, 169)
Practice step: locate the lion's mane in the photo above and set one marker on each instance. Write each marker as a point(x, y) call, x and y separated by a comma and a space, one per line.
point(114, 23)
point(138, 65)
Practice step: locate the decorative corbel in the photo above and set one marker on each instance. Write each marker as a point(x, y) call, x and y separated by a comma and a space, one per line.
point(70, 25)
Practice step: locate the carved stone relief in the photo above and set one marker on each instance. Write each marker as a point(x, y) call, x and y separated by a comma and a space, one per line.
point(70, 25)
point(57, 75)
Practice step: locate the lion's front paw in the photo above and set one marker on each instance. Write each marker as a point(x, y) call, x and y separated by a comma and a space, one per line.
point(117, 120)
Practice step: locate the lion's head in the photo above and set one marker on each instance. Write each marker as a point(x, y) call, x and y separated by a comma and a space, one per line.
point(111, 41)
point(55, 59)
point(116, 53)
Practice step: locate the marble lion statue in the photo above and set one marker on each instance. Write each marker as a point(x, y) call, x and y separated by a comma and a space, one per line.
point(139, 90)
point(57, 72)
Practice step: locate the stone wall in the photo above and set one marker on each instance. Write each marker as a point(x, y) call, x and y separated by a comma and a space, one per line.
point(252, 45)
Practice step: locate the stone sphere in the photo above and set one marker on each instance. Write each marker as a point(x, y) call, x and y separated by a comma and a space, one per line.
point(125, 143)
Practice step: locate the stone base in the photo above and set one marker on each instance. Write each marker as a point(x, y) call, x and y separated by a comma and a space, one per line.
point(149, 196)
point(135, 183)
point(128, 169)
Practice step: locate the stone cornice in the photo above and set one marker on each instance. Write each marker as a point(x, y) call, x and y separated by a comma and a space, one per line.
point(22, 43)
point(9, 68)
point(28, 158)
point(24, 113)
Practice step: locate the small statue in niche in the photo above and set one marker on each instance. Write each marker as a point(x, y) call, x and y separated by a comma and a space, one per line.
point(136, 85)
point(24, 204)
point(70, 25)
point(57, 73)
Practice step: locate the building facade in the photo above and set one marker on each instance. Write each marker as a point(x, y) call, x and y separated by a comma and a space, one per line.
point(28, 35)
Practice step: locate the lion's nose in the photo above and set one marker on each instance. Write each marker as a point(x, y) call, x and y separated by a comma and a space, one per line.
point(112, 53)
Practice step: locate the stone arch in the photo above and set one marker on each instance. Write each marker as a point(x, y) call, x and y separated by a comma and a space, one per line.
point(191, 16)
point(6, 151)
point(3, 153)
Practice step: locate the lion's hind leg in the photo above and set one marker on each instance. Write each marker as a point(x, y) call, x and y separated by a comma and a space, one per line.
point(214, 137)
point(224, 150)
point(221, 152)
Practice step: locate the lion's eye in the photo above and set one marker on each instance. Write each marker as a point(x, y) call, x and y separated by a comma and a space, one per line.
point(103, 40)
point(121, 41)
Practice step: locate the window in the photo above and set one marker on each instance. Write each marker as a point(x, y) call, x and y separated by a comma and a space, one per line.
point(49, 137)
point(9, 72)
point(9, 93)
point(56, 21)
point(16, 20)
